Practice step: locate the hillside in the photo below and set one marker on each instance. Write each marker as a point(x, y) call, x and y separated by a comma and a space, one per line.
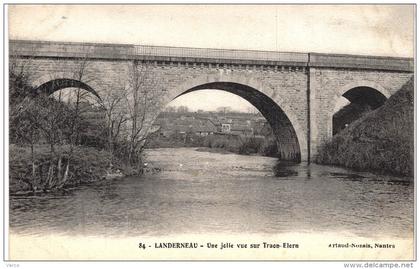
point(381, 140)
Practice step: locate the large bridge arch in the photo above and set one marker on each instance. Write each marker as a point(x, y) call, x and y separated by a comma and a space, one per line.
point(291, 137)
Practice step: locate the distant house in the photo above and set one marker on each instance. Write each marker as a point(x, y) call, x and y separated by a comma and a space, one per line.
point(225, 128)
point(237, 126)
point(184, 124)
point(241, 129)
point(205, 128)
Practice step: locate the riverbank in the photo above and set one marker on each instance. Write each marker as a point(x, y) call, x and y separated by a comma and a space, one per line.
point(220, 143)
point(252, 145)
point(87, 165)
point(382, 140)
point(213, 150)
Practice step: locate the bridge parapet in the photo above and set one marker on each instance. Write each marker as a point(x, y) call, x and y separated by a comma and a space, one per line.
point(154, 53)
point(223, 55)
point(361, 62)
point(70, 50)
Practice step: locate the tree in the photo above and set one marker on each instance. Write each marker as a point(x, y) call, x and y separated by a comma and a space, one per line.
point(73, 118)
point(51, 119)
point(20, 90)
point(170, 109)
point(54, 119)
point(182, 109)
point(23, 117)
point(142, 101)
point(64, 119)
point(224, 109)
point(111, 102)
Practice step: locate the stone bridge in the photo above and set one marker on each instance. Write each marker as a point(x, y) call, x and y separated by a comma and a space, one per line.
point(296, 92)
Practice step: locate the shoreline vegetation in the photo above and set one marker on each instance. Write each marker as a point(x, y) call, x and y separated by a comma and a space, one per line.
point(381, 140)
point(243, 145)
point(62, 139)
point(88, 165)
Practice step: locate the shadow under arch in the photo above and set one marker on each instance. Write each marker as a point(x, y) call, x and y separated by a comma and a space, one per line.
point(362, 99)
point(54, 85)
point(287, 140)
point(365, 95)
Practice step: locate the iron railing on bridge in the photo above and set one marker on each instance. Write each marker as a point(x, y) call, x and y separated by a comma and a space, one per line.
point(226, 54)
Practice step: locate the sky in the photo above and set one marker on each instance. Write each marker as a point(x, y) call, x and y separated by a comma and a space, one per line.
point(386, 30)
point(210, 100)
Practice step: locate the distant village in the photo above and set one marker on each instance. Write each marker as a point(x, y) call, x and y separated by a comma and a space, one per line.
point(225, 128)
point(179, 120)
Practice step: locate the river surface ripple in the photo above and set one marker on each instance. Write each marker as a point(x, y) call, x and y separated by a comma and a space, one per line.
point(202, 192)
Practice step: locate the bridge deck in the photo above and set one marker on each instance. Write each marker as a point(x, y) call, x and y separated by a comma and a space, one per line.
point(205, 55)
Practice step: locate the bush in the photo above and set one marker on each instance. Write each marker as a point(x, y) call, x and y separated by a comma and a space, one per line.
point(269, 148)
point(250, 145)
point(243, 145)
point(265, 146)
point(175, 140)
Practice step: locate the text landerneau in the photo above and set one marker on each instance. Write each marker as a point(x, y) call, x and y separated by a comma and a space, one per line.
point(220, 246)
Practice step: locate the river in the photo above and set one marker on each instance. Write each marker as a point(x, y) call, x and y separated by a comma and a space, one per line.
point(186, 191)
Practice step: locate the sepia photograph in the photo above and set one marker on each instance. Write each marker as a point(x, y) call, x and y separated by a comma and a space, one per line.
point(210, 132)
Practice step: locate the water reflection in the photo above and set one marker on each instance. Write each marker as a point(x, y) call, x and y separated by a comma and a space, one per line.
point(348, 176)
point(284, 169)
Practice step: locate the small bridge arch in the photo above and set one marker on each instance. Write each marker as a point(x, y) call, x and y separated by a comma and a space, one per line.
point(361, 84)
point(53, 82)
point(362, 93)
